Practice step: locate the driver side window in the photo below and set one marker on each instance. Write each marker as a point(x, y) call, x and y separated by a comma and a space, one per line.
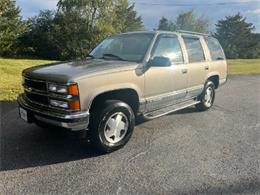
point(168, 46)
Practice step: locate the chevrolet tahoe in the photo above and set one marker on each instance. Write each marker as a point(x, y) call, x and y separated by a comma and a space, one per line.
point(130, 75)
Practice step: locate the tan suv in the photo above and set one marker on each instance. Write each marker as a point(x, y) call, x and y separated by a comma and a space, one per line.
point(146, 74)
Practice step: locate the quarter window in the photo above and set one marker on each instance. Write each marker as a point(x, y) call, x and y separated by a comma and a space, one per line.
point(215, 49)
point(168, 46)
point(194, 49)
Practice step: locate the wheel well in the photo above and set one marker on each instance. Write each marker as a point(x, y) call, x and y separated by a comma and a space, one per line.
point(128, 96)
point(215, 80)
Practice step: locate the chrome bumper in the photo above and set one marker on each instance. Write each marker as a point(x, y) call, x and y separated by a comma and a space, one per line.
point(72, 121)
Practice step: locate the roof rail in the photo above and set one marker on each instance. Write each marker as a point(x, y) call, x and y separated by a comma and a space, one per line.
point(193, 33)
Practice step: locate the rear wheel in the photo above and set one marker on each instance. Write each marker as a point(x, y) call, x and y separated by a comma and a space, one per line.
point(111, 126)
point(207, 97)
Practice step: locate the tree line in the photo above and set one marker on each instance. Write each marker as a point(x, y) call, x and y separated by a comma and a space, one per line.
point(76, 26)
point(233, 32)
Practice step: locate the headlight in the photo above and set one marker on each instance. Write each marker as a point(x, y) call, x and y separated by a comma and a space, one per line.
point(58, 103)
point(70, 93)
point(58, 88)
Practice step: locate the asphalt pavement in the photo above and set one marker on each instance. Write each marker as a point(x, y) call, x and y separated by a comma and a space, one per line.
point(188, 152)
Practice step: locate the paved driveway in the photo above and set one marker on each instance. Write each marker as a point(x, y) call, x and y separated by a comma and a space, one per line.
point(188, 152)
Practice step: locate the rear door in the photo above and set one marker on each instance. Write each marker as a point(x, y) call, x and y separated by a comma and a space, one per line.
point(198, 65)
point(218, 64)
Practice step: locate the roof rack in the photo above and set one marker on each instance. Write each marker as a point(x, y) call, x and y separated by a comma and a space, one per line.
point(193, 33)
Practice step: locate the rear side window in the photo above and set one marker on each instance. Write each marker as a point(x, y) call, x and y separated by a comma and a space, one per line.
point(215, 49)
point(168, 46)
point(194, 49)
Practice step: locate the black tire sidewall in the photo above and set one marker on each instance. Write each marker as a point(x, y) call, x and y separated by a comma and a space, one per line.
point(109, 109)
point(208, 84)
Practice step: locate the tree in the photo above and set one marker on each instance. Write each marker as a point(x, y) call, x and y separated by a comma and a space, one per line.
point(76, 27)
point(236, 37)
point(165, 24)
point(126, 17)
point(11, 27)
point(185, 21)
point(190, 22)
point(39, 40)
point(80, 24)
point(254, 52)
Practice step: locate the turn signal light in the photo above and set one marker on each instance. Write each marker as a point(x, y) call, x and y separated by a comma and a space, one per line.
point(73, 89)
point(74, 105)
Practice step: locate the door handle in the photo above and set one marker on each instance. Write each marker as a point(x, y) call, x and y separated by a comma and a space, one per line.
point(206, 67)
point(184, 71)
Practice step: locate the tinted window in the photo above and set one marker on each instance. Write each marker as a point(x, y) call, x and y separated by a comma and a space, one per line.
point(215, 49)
point(194, 49)
point(168, 46)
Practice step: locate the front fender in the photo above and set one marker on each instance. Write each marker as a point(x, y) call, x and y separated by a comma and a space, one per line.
point(110, 88)
point(92, 87)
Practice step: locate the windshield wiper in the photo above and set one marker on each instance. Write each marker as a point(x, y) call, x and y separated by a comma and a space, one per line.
point(113, 56)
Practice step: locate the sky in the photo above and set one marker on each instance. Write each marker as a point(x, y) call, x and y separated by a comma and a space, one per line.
point(152, 10)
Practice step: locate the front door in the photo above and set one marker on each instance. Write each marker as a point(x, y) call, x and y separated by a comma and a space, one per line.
point(165, 85)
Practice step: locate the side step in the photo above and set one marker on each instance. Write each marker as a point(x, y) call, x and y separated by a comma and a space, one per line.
point(170, 109)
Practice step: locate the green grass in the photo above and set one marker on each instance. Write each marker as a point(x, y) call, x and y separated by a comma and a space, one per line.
point(10, 76)
point(11, 69)
point(238, 67)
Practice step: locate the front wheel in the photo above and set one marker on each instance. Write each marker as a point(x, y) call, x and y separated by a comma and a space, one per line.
point(112, 126)
point(207, 97)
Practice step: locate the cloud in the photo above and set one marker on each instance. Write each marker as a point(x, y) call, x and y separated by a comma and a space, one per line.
point(48, 4)
point(214, 10)
point(32, 7)
point(256, 11)
point(151, 14)
point(243, 1)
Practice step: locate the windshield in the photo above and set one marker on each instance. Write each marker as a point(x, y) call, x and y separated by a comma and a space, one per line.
point(126, 47)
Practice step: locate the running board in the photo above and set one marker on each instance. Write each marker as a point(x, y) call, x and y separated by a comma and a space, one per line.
point(169, 109)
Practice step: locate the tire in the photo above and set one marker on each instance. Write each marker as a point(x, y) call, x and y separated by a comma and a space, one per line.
point(111, 126)
point(207, 97)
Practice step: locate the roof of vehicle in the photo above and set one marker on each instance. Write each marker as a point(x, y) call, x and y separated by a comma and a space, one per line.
point(173, 32)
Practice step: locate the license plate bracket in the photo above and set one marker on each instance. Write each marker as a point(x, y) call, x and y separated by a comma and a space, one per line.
point(23, 114)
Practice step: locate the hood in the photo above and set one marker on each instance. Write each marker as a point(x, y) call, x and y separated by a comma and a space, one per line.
point(70, 71)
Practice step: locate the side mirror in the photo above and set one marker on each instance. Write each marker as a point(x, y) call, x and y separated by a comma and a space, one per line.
point(160, 62)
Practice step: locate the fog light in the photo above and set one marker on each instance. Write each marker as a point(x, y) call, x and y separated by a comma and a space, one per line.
point(58, 103)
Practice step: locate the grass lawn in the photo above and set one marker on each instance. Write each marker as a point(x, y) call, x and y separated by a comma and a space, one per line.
point(237, 67)
point(10, 79)
point(11, 69)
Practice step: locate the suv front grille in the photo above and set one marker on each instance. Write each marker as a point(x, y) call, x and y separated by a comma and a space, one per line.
point(37, 85)
point(36, 91)
point(40, 99)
